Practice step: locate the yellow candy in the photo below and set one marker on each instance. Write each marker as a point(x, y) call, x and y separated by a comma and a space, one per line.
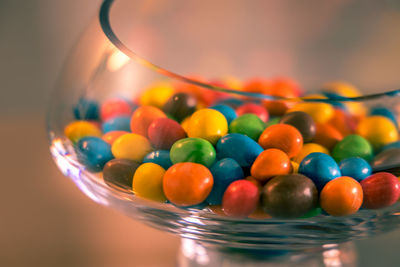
point(295, 166)
point(131, 146)
point(378, 130)
point(157, 95)
point(185, 124)
point(79, 129)
point(320, 112)
point(308, 149)
point(208, 124)
point(148, 182)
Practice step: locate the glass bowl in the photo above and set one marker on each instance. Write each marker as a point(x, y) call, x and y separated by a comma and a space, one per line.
point(132, 44)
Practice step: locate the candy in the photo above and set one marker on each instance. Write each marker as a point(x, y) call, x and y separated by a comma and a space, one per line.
point(320, 112)
point(343, 122)
point(164, 132)
point(193, 150)
point(119, 172)
point(160, 157)
point(341, 196)
point(271, 162)
point(131, 146)
point(247, 124)
point(384, 111)
point(284, 137)
point(148, 182)
point(224, 172)
point(241, 148)
point(252, 108)
point(231, 102)
point(120, 123)
point(289, 196)
point(295, 167)
point(378, 136)
point(143, 117)
point(86, 109)
point(326, 135)
point(319, 167)
point(272, 121)
point(208, 124)
point(114, 108)
point(352, 146)
point(187, 183)
point(302, 122)
point(157, 94)
point(180, 105)
point(79, 129)
point(355, 167)
point(93, 152)
point(227, 111)
point(381, 190)
point(240, 199)
point(307, 149)
point(110, 137)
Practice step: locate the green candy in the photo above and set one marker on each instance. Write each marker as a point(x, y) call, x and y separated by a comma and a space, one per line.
point(272, 121)
point(353, 146)
point(312, 213)
point(247, 124)
point(195, 150)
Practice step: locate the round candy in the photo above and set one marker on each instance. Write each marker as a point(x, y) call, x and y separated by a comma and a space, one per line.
point(271, 162)
point(110, 137)
point(193, 150)
point(284, 137)
point(384, 111)
point(356, 168)
point(93, 152)
point(119, 172)
point(381, 190)
point(224, 171)
point(119, 123)
point(208, 124)
point(240, 199)
point(164, 132)
point(241, 148)
point(160, 157)
point(131, 146)
point(320, 112)
point(327, 135)
point(157, 94)
point(227, 111)
point(289, 196)
point(187, 183)
point(302, 122)
point(307, 149)
point(247, 124)
point(148, 182)
point(113, 108)
point(86, 109)
point(79, 129)
point(143, 117)
point(319, 167)
point(341, 196)
point(252, 108)
point(180, 105)
point(343, 122)
point(352, 146)
point(378, 130)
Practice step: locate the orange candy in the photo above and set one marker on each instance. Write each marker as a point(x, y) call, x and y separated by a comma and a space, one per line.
point(284, 137)
point(270, 163)
point(143, 117)
point(343, 122)
point(110, 137)
point(341, 196)
point(187, 183)
point(327, 135)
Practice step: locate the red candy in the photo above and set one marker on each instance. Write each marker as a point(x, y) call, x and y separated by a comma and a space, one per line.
point(164, 132)
point(381, 190)
point(253, 108)
point(143, 117)
point(240, 199)
point(113, 108)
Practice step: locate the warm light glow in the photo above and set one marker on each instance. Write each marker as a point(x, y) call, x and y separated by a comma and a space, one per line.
point(117, 60)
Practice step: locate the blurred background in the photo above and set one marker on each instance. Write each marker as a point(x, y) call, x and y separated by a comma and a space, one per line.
point(46, 220)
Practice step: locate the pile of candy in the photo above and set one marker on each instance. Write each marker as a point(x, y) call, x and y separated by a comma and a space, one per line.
point(194, 147)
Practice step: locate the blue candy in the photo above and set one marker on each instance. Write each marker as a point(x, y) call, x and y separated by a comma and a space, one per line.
point(227, 111)
point(160, 157)
point(336, 104)
point(383, 111)
point(94, 153)
point(224, 171)
point(86, 110)
point(232, 102)
point(319, 167)
point(120, 123)
point(356, 168)
point(239, 147)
